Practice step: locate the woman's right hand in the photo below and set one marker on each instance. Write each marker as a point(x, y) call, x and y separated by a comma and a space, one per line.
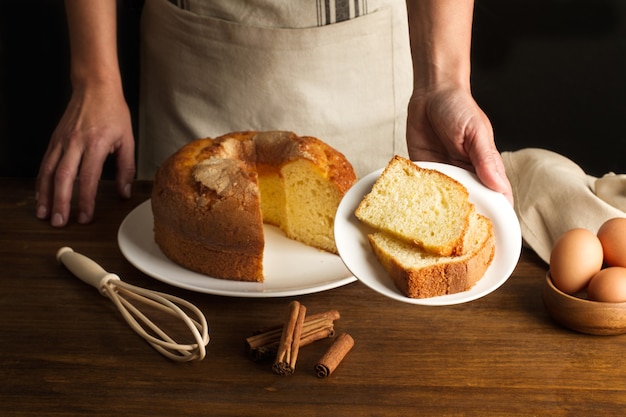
point(96, 123)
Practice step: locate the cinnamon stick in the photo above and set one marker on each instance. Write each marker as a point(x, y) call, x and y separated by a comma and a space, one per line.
point(331, 315)
point(317, 334)
point(289, 345)
point(264, 343)
point(335, 354)
point(269, 350)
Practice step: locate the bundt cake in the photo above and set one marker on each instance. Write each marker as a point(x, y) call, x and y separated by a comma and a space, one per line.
point(211, 198)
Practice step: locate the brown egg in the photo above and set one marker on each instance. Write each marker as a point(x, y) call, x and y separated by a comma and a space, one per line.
point(575, 258)
point(608, 285)
point(612, 235)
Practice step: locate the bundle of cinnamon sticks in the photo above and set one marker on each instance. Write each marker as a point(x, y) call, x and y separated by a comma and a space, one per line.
point(283, 341)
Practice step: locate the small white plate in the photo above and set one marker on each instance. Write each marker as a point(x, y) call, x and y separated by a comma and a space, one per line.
point(290, 267)
point(355, 250)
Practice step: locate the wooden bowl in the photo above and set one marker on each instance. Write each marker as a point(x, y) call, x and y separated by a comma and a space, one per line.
point(584, 316)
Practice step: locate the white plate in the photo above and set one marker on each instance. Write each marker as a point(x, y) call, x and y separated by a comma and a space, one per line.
point(290, 267)
point(355, 250)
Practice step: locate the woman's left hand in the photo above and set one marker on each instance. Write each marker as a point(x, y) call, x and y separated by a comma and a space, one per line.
point(447, 125)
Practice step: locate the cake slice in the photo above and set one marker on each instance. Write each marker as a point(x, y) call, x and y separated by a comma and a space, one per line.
point(419, 274)
point(420, 206)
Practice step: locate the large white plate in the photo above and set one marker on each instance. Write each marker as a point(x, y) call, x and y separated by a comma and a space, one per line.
point(355, 250)
point(290, 267)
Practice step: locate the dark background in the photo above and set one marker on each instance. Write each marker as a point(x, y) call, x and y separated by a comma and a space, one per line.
point(549, 73)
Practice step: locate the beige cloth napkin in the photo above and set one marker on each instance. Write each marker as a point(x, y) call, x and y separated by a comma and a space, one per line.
point(553, 194)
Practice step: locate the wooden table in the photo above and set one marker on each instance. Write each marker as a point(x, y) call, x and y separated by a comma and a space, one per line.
point(66, 351)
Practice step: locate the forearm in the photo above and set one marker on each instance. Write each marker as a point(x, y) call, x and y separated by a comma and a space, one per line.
point(92, 29)
point(440, 33)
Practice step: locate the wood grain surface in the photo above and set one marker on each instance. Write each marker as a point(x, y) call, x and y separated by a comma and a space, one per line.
point(66, 351)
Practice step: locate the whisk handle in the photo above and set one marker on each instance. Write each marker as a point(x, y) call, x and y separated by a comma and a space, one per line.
point(84, 268)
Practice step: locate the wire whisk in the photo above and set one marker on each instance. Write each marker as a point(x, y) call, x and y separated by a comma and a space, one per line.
point(123, 295)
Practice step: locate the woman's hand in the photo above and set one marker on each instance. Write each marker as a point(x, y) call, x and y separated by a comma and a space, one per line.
point(447, 125)
point(444, 122)
point(96, 123)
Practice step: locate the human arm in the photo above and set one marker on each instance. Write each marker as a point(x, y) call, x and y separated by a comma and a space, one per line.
point(95, 123)
point(445, 123)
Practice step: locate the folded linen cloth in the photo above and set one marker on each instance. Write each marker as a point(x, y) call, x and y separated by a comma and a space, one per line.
point(553, 194)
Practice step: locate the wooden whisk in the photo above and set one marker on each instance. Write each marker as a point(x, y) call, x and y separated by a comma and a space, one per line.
point(123, 294)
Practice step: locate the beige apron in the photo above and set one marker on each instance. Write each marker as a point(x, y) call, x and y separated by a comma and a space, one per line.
point(336, 69)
